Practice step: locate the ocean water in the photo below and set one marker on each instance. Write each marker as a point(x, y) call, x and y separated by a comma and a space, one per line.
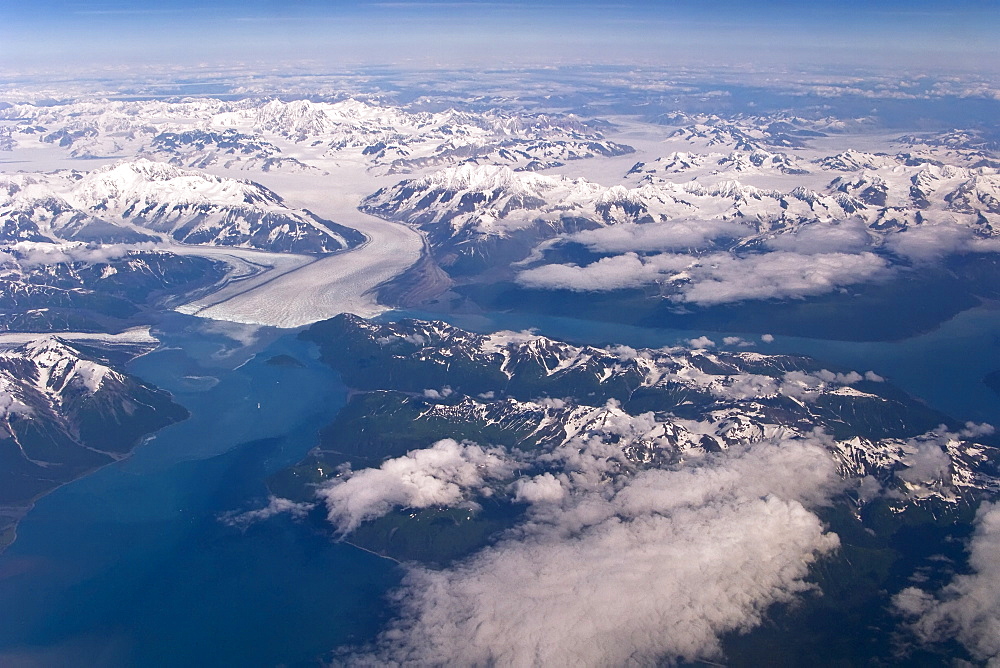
point(132, 566)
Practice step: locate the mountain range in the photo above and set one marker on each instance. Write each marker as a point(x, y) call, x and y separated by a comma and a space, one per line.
point(144, 201)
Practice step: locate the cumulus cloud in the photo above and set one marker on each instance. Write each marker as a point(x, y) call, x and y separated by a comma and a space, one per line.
point(611, 273)
point(442, 475)
point(929, 243)
point(652, 237)
point(807, 386)
point(552, 402)
point(745, 386)
point(800, 385)
point(415, 339)
point(723, 278)
point(244, 334)
point(927, 462)
point(968, 608)
point(444, 392)
point(976, 429)
point(846, 237)
point(32, 254)
point(701, 342)
point(848, 378)
point(735, 341)
point(624, 353)
point(717, 278)
point(929, 458)
point(540, 489)
point(10, 404)
point(499, 340)
point(615, 568)
point(275, 506)
point(767, 338)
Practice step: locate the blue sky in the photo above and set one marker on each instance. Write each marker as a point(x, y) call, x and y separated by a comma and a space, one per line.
point(66, 33)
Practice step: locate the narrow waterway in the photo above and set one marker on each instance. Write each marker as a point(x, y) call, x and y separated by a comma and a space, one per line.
point(132, 566)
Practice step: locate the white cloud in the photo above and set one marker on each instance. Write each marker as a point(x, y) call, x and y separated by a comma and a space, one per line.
point(746, 386)
point(796, 384)
point(701, 342)
point(32, 254)
point(717, 278)
point(807, 386)
point(929, 243)
point(723, 278)
point(624, 353)
point(928, 462)
point(275, 506)
point(974, 430)
point(540, 489)
point(968, 608)
point(552, 402)
point(242, 333)
point(767, 338)
point(616, 568)
point(848, 378)
point(441, 475)
point(846, 237)
point(499, 340)
point(611, 273)
point(651, 237)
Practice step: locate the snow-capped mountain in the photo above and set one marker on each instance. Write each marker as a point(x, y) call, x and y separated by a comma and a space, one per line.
point(454, 445)
point(229, 149)
point(463, 209)
point(489, 199)
point(855, 161)
point(680, 162)
point(270, 134)
point(979, 141)
point(520, 154)
point(78, 287)
point(488, 212)
point(749, 133)
point(763, 160)
point(125, 201)
point(721, 134)
point(64, 413)
point(659, 406)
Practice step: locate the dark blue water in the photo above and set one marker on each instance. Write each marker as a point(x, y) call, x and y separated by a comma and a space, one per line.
point(130, 566)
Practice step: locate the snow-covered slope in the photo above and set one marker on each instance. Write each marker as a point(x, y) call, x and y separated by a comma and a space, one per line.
point(464, 207)
point(64, 413)
point(269, 134)
point(660, 406)
point(757, 161)
point(125, 201)
point(80, 287)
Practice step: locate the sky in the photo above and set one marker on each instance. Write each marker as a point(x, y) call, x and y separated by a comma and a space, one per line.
point(54, 34)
